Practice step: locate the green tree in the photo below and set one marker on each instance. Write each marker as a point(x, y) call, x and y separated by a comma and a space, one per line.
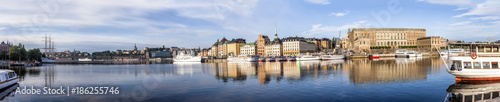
point(35, 54)
point(15, 53)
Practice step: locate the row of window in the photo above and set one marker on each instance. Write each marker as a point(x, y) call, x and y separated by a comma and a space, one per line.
point(477, 65)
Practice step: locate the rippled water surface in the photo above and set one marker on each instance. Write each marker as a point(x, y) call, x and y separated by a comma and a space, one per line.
point(422, 79)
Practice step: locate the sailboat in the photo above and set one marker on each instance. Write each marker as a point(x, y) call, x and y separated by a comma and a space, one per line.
point(48, 58)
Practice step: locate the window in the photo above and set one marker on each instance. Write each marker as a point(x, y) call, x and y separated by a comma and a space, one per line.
point(480, 49)
point(494, 65)
point(495, 49)
point(457, 64)
point(486, 65)
point(467, 65)
point(477, 65)
point(495, 95)
point(488, 49)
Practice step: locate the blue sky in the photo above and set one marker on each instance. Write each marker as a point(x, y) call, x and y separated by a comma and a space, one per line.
point(96, 25)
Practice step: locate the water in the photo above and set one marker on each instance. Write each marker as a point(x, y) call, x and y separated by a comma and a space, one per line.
point(423, 79)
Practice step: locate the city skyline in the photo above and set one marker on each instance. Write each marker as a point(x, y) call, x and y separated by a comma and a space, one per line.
point(91, 26)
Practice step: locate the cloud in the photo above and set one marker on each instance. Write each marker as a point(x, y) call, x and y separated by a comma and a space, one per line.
point(3, 28)
point(339, 14)
point(488, 8)
point(320, 29)
point(485, 18)
point(461, 23)
point(322, 2)
point(448, 2)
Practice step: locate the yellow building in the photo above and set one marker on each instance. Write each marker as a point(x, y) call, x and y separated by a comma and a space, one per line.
point(430, 43)
point(274, 48)
point(233, 47)
point(326, 43)
point(390, 37)
point(222, 47)
point(293, 46)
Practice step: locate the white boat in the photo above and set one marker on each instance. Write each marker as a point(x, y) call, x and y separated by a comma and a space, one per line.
point(48, 60)
point(480, 65)
point(8, 78)
point(187, 58)
point(243, 58)
point(401, 53)
point(332, 57)
point(453, 52)
point(84, 59)
point(413, 54)
point(308, 57)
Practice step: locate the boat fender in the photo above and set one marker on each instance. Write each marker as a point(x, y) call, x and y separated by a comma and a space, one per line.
point(473, 55)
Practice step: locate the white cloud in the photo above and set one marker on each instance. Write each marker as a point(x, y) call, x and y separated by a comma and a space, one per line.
point(322, 2)
point(461, 23)
point(339, 14)
point(485, 18)
point(320, 29)
point(488, 8)
point(448, 2)
point(3, 28)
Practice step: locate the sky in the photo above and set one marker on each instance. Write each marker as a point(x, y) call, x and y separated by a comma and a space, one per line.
point(98, 25)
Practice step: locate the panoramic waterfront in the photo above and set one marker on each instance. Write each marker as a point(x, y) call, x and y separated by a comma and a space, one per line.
point(400, 79)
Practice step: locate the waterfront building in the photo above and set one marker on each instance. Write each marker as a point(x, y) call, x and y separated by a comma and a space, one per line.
point(233, 47)
point(222, 47)
point(344, 43)
point(161, 54)
point(5, 46)
point(317, 43)
point(389, 37)
point(248, 49)
point(214, 49)
point(261, 43)
point(293, 46)
point(325, 44)
point(431, 42)
point(274, 48)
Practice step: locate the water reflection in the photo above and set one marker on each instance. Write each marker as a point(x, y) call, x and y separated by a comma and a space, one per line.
point(362, 71)
point(8, 91)
point(474, 91)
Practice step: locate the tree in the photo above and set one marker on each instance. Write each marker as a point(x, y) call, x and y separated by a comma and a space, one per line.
point(15, 53)
point(35, 54)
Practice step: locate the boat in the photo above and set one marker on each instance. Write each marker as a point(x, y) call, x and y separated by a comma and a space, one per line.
point(332, 57)
point(308, 57)
point(488, 91)
point(374, 56)
point(8, 91)
point(84, 59)
point(243, 58)
point(49, 60)
point(413, 54)
point(279, 59)
point(401, 53)
point(261, 60)
point(481, 64)
point(270, 59)
point(8, 78)
point(290, 58)
point(187, 58)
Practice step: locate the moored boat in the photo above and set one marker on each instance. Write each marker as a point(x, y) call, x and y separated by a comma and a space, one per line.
point(482, 64)
point(308, 57)
point(187, 58)
point(243, 58)
point(401, 53)
point(48, 60)
point(374, 56)
point(332, 57)
point(8, 78)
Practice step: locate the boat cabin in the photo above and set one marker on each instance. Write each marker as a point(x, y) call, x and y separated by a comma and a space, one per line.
point(7, 75)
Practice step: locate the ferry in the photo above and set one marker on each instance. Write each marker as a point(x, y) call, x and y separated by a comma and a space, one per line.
point(332, 57)
point(401, 53)
point(187, 58)
point(243, 58)
point(481, 64)
point(308, 57)
point(84, 59)
point(413, 54)
point(8, 78)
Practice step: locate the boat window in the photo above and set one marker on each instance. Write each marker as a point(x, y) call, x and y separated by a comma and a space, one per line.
point(488, 49)
point(477, 65)
point(494, 65)
point(467, 65)
point(468, 98)
point(495, 95)
point(477, 97)
point(457, 64)
point(487, 96)
point(480, 49)
point(495, 49)
point(486, 65)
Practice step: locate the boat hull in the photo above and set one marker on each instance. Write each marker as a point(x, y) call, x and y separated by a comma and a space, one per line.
point(8, 83)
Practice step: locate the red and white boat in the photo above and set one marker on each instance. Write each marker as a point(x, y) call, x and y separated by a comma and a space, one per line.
point(373, 56)
point(481, 64)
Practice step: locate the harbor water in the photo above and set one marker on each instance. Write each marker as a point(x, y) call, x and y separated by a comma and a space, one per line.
point(356, 80)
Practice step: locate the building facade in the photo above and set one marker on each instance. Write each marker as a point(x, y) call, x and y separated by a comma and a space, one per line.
point(431, 43)
point(389, 37)
point(317, 43)
point(248, 49)
point(5, 46)
point(233, 47)
point(274, 48)
point(293, 46)
point(326, 44)
point(222, 47)
point(261, 43)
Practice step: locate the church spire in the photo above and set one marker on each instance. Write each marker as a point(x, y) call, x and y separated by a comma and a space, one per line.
point(275, 31)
